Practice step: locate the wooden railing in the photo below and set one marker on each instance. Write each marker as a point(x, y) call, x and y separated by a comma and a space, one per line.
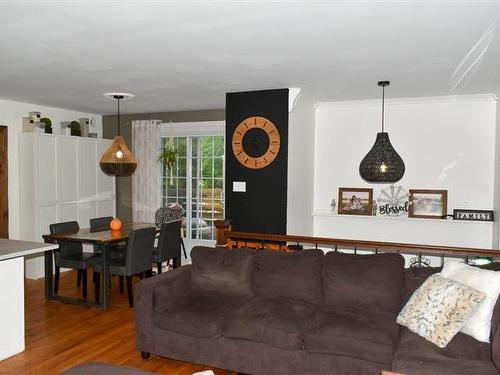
point(233, 239)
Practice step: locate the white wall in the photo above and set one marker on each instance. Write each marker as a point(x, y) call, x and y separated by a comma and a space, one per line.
point(11, 114)
point(446, 143)
point(496, 192)
point(300, 168)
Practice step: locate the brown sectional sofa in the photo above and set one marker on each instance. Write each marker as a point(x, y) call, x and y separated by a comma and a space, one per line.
point(269, 312)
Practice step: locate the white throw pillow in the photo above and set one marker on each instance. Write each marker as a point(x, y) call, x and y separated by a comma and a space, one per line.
point(486, 281)
point(439, 308)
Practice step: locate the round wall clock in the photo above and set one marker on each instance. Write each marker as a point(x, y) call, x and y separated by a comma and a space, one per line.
point(256, 142)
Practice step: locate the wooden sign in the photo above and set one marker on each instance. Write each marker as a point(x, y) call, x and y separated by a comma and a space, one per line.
point(472, 215)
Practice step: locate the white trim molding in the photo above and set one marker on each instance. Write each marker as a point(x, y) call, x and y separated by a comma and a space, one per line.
point(396, 101)
point(186, 129)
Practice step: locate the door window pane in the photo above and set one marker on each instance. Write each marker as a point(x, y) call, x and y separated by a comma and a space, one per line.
point(202, 193)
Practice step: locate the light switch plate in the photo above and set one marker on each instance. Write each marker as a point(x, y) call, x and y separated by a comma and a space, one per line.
point(239, 186)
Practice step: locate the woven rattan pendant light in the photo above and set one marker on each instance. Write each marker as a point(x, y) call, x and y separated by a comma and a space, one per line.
point(382, 163)
point(117, 160)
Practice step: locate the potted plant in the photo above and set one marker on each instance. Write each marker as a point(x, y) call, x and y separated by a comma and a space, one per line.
point(48, 124)
point(168, 155)
point(75, 128)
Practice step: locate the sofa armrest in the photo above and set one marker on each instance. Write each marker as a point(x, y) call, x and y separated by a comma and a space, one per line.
point(148, 293)
point(495, 348)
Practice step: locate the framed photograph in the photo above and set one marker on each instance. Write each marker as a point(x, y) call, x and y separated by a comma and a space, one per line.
point(355, 201)
point(428, 204)
point(473, 215)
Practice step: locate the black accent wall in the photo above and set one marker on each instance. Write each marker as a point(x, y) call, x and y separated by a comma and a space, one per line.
point(263, 207)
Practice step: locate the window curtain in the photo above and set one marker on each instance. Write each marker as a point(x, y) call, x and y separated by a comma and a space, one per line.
point(146, 182)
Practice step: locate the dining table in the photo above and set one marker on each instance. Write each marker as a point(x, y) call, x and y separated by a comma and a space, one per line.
point(102, 238)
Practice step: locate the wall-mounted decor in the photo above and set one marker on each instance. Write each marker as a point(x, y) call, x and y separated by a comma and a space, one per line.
point(428, 204)
point(262, 205)
point(117, 160)
point(355, 201)
point(393, 201)
point(256, 142)
point(473, 215)
point(382, 163)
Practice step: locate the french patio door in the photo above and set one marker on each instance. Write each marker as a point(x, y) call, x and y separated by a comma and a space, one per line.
point(196, 182)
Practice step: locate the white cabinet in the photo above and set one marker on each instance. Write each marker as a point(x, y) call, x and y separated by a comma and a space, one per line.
point(60, 180)
point(105, 185)
point(87, 176)
point(46, 161)
point(67, 169)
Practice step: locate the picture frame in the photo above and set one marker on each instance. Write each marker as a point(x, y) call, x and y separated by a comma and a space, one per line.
point(472, 215)
point(428, 204)
point(355, 201)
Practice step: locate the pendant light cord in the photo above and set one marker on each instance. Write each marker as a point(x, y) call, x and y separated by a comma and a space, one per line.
point(119, 115)
point(383, 104)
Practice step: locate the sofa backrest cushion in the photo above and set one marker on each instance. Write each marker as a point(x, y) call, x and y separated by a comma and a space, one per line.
point(374, 283)
point(415, 277)
point(221, 271)
point(495, 319)
point(294, 274)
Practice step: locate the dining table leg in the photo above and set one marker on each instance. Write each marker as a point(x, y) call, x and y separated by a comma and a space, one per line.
point(105, 276)
point(49, 276)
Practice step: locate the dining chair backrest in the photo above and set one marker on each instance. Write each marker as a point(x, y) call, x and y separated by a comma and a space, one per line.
point(139, 256)
point(65, 247)
point(100, 222)
point(169, 243)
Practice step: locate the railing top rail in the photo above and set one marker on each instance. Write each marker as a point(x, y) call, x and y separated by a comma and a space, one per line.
point(363, 244)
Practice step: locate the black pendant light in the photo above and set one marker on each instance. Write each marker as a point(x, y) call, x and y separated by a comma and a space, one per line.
point(117, 160)
point(382, 163)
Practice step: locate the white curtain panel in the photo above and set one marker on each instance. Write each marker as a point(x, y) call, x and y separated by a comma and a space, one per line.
point(146, 184)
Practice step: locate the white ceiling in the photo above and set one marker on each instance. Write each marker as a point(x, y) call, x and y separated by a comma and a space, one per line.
point(187, 55)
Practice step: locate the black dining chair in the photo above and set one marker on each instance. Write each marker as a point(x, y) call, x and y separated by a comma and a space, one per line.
point(137, 261)
point(71, 255)
point(116, 250)
point(169, 245)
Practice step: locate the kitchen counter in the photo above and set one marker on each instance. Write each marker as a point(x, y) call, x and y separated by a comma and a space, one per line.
point(12, 255)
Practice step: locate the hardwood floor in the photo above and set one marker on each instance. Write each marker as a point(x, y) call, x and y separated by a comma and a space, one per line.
point(59, 336)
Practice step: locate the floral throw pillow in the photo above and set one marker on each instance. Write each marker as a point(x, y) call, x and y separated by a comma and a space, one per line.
point(439, 308)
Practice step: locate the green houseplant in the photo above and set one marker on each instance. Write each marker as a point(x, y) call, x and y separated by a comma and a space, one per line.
point(48, 124)
point(75, 128)
point(168, 155)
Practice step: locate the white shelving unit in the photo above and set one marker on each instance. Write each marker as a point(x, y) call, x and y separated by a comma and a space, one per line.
point(60, 180)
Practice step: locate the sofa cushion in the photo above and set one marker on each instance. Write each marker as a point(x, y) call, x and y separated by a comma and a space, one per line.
point(415, 277)
point(294, 274)
point(374, 283)
point(199, 315)
point(369, 337)
point(279, 322)
point(495, 319)
point(463, 355)
point(461, 346)
point(221, 271)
